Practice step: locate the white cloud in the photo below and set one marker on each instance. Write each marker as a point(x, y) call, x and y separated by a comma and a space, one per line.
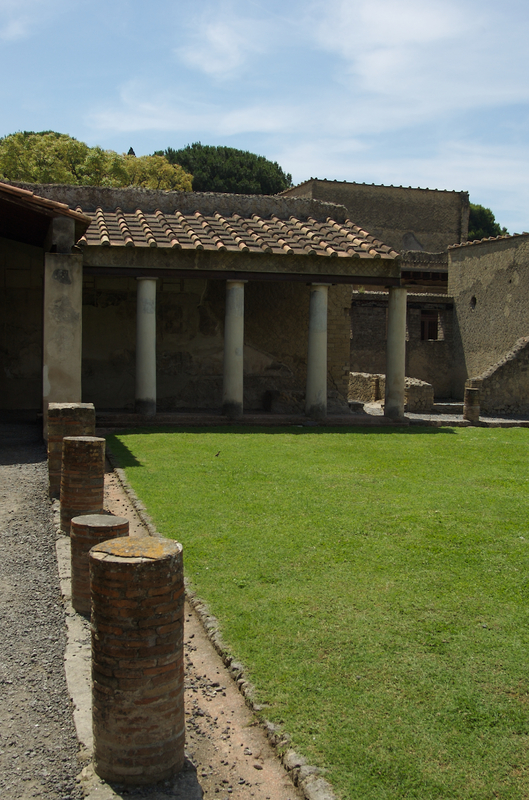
point(20, 19)
point(221, 38)
point(411, 60)
point(138, 110)
point(219, 50)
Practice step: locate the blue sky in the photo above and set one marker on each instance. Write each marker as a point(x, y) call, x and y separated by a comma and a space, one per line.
point(430, 93)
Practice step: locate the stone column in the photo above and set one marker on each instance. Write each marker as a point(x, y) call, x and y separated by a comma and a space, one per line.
point(396, 353)
point(146, 347)
point(232, 395)
point(62, 334)
point(316, 393)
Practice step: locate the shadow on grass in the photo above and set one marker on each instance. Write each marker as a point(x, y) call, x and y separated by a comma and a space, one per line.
point(127, 459)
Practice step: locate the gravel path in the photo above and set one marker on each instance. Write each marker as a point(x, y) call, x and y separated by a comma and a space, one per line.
point(38, 743)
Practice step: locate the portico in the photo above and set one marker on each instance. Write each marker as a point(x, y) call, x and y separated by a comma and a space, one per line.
point(210, 301)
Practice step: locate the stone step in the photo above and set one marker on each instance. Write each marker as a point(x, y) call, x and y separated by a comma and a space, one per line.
point(447, 407)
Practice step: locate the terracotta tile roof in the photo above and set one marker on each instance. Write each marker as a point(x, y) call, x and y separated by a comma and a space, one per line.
point(488, 239)
point(51, 207)
point(233, 233)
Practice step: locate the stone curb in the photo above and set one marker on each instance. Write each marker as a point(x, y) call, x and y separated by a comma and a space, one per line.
point(304, 776)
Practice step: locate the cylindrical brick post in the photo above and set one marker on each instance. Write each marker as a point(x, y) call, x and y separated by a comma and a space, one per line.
point(137, 588)
point(471, 406)
point(87, 531)
point(82, 477)
point(66, 419)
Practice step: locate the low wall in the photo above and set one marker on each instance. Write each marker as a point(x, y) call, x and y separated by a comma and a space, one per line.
point(369, 387)
point(505, 385)
point(418, 396)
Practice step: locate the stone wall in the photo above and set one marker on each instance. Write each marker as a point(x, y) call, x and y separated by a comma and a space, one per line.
point(131, 198)
point(21, 303)
point(404, 218)
point(505, 385)
point(427, 360)
point(339, 338)
point(489, 282)
point(190, 341)
point(418, 396)
point(369, 388)
point(366, 387)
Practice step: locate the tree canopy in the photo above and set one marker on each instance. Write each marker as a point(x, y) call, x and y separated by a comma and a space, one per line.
point(51, 157)
point(226, 169)
point(482, 223)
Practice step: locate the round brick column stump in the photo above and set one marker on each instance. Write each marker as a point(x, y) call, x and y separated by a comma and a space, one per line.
point(82, 477)
point(85, 532)
point(137, 588)
point(65, 419)
point(471, 405)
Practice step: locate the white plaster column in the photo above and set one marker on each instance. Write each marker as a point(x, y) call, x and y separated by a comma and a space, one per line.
point(316, 392)
point(62, 330)
point(232, 394)
point(396, 353)
point(146, 346)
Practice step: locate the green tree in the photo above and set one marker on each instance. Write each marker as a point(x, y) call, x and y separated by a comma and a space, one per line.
point(482, 223)
point(225, 169)
point(51, 157)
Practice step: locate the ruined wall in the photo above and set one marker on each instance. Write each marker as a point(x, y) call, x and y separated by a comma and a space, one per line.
point(427, 360)
point(190, 341)
point(490, 286)
point(504, 387)
point(404, 218)
point(21, 300)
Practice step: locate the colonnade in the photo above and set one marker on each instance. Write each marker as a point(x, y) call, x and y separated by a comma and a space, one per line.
point(62, 343)
point(233, 371)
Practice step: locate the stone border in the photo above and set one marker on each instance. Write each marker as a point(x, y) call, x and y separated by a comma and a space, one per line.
point(304, 776)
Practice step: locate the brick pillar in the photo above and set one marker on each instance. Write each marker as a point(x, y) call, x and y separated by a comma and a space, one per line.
point(137, 589)
point(66, 419)
point(86, 532)
point(82, 477)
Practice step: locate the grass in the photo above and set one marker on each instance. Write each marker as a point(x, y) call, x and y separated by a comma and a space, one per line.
point(375, 585)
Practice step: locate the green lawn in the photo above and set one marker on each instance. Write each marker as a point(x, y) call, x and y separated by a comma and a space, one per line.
point(375, 584)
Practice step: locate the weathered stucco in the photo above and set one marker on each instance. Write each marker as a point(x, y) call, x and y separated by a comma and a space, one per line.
point(490, 286)
point(21, 298)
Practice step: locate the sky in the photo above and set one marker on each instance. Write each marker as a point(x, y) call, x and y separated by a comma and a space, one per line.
point(428, 93)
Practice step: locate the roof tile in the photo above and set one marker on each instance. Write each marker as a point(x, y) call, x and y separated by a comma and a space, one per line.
point(214, 232)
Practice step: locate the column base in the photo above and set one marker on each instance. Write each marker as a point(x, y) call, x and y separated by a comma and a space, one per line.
point(232, 410)
point(393, 413)
point(316, 411)
point(145, 407)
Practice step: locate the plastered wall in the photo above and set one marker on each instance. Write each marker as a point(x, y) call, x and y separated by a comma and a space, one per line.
point(490, 286)
point(21, 300)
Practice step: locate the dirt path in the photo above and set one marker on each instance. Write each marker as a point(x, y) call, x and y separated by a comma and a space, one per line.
point(230, 751)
